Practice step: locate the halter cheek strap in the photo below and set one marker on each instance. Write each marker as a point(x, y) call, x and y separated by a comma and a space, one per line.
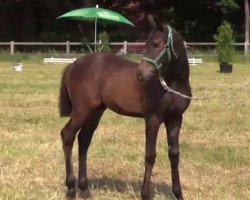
point(165, 52)
point(155, 61)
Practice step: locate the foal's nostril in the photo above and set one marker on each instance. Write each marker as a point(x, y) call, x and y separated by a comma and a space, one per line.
point(139, 75)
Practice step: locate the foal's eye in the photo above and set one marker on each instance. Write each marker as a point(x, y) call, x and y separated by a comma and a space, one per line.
point(156, 45)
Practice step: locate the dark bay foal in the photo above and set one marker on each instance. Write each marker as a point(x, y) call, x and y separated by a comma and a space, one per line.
point(99, 81)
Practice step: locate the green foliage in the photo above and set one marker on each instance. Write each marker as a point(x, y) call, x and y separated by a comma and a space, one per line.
point(224, 39)
point(228, 5)
point(104, 47)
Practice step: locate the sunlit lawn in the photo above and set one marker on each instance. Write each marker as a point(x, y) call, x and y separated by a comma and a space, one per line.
point(215, 140)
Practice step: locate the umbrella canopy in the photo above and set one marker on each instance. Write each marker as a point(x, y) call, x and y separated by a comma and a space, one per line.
point(96, 14)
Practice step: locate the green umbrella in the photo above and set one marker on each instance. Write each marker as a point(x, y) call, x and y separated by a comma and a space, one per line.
point(96, 14)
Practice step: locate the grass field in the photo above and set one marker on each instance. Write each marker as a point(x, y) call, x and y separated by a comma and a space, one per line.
point(215, 140)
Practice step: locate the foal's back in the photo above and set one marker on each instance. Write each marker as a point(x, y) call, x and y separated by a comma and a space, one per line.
point(105, 80)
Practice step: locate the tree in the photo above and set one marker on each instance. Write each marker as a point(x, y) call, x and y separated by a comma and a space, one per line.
point(185, 16)
point(224, 39)
point(228, 5)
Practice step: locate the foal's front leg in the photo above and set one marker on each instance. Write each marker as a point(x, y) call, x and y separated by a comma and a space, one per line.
point(152, 127)
point(173, 130)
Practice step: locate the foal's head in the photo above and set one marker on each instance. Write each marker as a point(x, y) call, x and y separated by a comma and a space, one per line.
point(158, 51)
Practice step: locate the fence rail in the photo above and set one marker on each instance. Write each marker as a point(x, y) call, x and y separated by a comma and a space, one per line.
point(122, 45)
point(212, 44)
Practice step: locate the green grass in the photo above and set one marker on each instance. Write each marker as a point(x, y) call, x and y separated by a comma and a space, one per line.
point(215, 140)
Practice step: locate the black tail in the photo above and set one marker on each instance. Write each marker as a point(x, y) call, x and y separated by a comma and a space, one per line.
point(65, 106)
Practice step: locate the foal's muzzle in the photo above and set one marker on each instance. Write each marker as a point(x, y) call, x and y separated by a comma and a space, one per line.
point(146, 72)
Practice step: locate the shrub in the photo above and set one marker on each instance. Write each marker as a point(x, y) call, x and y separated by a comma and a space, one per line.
point(104, 47)
point(224, 39)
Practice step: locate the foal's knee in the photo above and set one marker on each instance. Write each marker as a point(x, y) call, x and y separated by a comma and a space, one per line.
point(173, 151)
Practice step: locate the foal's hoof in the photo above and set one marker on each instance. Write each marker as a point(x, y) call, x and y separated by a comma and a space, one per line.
point(71, 195)
point(85, 194)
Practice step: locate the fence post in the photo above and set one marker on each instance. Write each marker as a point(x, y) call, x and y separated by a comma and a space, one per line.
point(67, 47)
point(125, 47)
point(12, 48)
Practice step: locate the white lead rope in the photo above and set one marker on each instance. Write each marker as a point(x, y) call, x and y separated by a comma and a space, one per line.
point(166, 87)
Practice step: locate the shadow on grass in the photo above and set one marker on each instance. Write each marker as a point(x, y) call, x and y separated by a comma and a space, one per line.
point(122, 186)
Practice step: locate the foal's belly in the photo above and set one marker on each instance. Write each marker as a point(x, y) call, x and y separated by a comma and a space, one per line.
point(125, 107)
point(123, 95)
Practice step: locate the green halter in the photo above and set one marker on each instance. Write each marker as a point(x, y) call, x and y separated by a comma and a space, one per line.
point(157, 62)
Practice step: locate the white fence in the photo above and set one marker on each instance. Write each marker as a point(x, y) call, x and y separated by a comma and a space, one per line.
point(58, 60)
point(123, 46)
point(192, 61)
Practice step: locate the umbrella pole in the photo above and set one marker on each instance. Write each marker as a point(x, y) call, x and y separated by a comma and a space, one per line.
point(95, 32)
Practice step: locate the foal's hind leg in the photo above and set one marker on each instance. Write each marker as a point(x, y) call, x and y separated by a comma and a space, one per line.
point(173, 131)
point(152, 127)
point(68, 135)
point(84, 140)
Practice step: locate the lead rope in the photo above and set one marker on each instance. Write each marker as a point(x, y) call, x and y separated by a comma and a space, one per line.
point(170, 90)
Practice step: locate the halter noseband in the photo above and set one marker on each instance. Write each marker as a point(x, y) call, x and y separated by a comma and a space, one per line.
point(156, 62)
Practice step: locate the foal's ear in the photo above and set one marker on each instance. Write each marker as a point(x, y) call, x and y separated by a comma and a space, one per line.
point(151, 21)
